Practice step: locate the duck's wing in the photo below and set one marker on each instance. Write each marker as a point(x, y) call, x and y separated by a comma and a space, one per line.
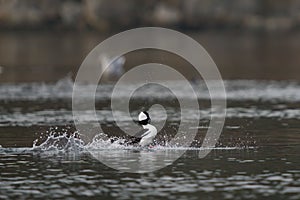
point(142, 133)
point(133, 140)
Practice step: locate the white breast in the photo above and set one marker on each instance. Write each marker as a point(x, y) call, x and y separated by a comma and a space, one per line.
point(148, 139)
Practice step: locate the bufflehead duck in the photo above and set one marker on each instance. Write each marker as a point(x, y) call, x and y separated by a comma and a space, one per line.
point(146, 135)
point(149, 131)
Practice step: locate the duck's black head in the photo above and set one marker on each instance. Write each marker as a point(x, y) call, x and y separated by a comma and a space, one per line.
point(144, 118)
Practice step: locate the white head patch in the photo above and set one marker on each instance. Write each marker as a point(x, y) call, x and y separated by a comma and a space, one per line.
point(142, 116)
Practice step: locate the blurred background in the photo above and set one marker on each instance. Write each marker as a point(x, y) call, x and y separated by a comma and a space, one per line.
point(46, 40)
point(256, 46)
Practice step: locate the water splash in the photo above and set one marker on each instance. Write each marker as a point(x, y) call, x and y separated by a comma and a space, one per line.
point(64, 142)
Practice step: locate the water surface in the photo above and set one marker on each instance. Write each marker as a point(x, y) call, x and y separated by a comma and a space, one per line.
point(257, 156)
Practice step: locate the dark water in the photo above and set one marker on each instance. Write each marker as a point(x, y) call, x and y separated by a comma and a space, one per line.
point(49, 56)
point(257, 156)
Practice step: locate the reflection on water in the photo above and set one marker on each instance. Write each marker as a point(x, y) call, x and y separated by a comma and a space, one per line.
point(137, 161)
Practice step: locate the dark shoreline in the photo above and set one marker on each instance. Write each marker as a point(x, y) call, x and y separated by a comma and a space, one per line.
point(255, 16)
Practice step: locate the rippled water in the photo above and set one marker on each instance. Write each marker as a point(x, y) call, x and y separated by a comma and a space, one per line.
point(257, 156)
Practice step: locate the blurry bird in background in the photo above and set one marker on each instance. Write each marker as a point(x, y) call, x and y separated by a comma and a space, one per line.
point(112, 68)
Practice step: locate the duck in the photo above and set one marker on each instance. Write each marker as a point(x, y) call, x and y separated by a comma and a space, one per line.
point(144, 137)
